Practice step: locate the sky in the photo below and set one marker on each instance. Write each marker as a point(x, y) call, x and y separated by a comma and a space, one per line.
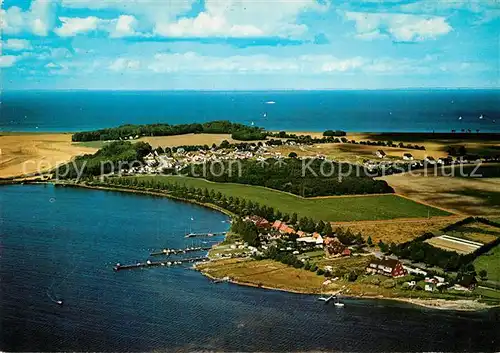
point(249, 44)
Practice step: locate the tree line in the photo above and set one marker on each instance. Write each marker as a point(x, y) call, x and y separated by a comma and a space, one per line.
point(290, 175)
point(106, 160)
point(129, 131)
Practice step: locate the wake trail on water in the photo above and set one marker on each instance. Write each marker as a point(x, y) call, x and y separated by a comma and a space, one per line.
point(50, 291)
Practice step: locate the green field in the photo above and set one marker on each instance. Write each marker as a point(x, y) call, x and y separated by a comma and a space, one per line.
point(491, 263)
point(351, 208)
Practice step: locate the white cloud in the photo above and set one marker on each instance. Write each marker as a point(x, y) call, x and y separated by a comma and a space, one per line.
point(8, 60)
point(38, 19)
point(398, 27)
point(122, 64)
point(71, 26)
point(17, 44)
point(124, 26)
point(206, 25)
point(242, 18)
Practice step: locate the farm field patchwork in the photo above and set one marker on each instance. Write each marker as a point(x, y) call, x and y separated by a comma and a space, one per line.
point(477, 231)
point(349, 208)
point(397, 231)
point(472, 196)
point(460, 246)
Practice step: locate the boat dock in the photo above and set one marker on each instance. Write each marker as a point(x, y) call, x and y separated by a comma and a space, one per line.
point(204, 235)
point(327, 299)
point(168, 252)
point(148, 263)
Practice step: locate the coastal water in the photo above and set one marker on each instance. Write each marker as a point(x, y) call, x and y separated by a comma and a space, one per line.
point(376, 111)
point(62, 242)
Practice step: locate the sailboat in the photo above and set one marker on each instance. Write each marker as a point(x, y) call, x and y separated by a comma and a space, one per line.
point(481, 117)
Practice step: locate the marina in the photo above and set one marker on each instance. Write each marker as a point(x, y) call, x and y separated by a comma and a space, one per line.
point(204, 235)
point(149, 263)
point(168, 252)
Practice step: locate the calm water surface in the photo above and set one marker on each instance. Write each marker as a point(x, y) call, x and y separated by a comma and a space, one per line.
point(63, 242)
point(398, 110)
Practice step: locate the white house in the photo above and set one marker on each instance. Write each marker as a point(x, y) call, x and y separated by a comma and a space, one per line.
point(430, 160)
point(380, 154)
point(407, 156)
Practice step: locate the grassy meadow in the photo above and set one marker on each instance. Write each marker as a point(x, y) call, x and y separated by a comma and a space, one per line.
point(490, 262)
point(344, 208)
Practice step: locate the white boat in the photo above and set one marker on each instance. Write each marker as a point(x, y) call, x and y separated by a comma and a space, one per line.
point(271, 102)
point(481, 117)
point(338, 304)
point(59, 302)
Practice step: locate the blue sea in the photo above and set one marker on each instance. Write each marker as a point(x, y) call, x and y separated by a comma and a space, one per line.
point(377, 111)
point(61, 243)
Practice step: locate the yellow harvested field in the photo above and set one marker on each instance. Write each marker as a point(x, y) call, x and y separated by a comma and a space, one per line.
point(25, 153)
point(265, 273)
point(397, 231)
point(353, 153)
point(445, 244)
point(477, 231)
point(188, 139)
point(470, 196)
point(435, 146)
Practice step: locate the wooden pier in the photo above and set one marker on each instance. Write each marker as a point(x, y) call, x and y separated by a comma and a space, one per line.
point(148, 263)
point(168, 252)
point(204, 235)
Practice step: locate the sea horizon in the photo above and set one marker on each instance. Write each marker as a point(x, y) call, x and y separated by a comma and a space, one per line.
point(416, 110)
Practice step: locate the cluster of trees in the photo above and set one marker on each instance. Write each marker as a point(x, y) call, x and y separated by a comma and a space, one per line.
point(247, 230)
point(347, 238)
point(108, 159)
point(391, 144)
point(338, 133)
point(292, 175)
point(456, 152)
point(284, 257)
point(238, 131)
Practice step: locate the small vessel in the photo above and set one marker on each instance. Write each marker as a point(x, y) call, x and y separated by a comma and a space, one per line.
point(481, 117)
point(338, 304)
point(459, 118)
point(271, 102)
point(59, 302)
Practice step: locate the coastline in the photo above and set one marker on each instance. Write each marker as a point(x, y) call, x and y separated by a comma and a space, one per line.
point(435, 303)
point(466, 305)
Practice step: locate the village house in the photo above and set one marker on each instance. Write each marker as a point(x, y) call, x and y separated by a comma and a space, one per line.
point(314, 238)
point(407, 156)
point(380, 154)
point(415, 271)
point(260, 222)
point(387, 267)
point(466, 283)
point(430, 160)
point(333, 247)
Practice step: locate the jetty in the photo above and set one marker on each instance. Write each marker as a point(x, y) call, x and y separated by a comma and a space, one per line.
point(327, 299)
point(204, 235)
point(148, 263)
point(168, 252)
